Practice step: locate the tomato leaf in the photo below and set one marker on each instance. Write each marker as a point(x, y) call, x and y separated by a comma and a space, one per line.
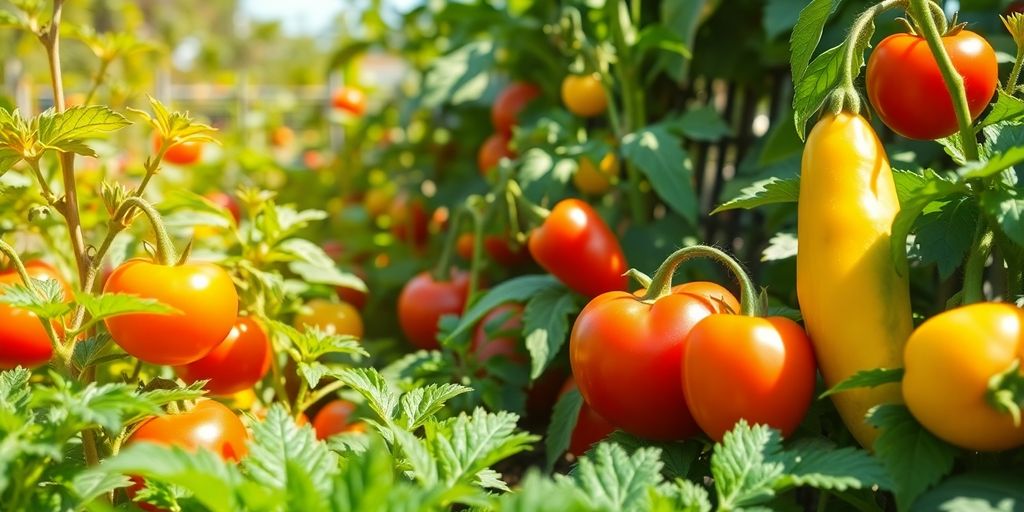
point(703, 124)
point(518, 289)
point(161, 397)
point(48, 303)
point(1006, 209)
point(109, 305)
point(462, 76)
point(809, 93)
point(931, 188)
point(746, 465)
point(14, 391)
point(379, 394)
point(1006, 108)
point(94, 351)
point(819, 464)
point(65, 130)
point(983, 491)
point(281, 453)
point(468, 444)
point(768, 191)
point(914, 457)
point(944, 236)
point(866, 379)
point(806, 34)
point(422, 403)
point(563, 421)
point(546, 326)
point(614, 480)
point(539, 494)
point(89, 485)
point(780, 246)
point(677, 458)
point(660, 156)
point(996, 163)
point(682, 495)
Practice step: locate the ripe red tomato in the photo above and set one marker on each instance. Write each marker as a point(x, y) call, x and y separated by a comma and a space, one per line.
point(590, 428)
point(578, 248)
point(23, 340)
point(743, 367)
point(238, 363)
point(423, 302)
point(409, 220)
point(583, 95)
point(626, 357)
point(349, 99)
point(228, 202)
point(500, 334)
point(339, 318)
point(504, 251)
point(204, 295)
point(208, 425)
point(492, 151)
point(182, 153)
point(334, 418)
point(907, 91)
point(509, 103)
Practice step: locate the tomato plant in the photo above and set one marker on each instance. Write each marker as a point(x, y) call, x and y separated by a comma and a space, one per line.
point(23, 338)
point(509, 103)
point(236, 364)
point(425, 299)
point(584, 95)
point(208, 425)
point(494, 148)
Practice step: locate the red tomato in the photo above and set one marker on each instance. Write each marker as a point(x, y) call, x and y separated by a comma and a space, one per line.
point(626, 357)
point(578, 248)
point(204, 296)
point(509, 103)
point(334, 418)
point(424, 301)
point(409, 220)
point(349, 99)
point(492, 151)
point(500, 334)
point(208, 425)
point(228, 202)
point(238, 363)
point(504, 251)
point(590, 428)
point(743, 367)
point(182, 153)
point(23, 339)
point(907, 91)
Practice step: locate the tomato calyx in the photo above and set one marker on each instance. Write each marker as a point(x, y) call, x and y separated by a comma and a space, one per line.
point(1006, 391)
point(661, 284)
point(165, 252)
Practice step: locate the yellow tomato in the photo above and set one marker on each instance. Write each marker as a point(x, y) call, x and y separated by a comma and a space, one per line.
point(595, 180)
point(330, 317)
point(583, 95)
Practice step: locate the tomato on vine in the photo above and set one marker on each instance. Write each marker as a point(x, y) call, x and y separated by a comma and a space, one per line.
point(208, 425)
point(335, 418)
point(23, 339)
point(509, 103)
point(907, 90)
point(181, 153)
point(409, 220)
point(425, 299)
point(349, 99)
point(594, 180)
point(228, 202)
point(339, 318)
point(492, 151)
point(500, 334)
point(590, 427)
point(236, 364)
point(584, 95)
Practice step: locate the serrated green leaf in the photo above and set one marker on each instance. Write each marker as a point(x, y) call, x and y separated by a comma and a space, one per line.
point(421, 404)
point(866, 379)
point(417, 457)
point(64, 130)
point(1006, 209)
point(676, 457)
point(746, 465)
point(981, 491)
point(329, 275)
point(944, 236)
point(107, 405)
point(614, 480)
point(109, 305)
point(546, 326)
point(310, 344)
point(48, 303)
point(517, 289)
point(660, 156)
point(996, 163)
point(931, 188)
point(366, 480)
point(466, 445)
point(768, 191)
point(379, 394)
point(539, 494)
point(819, 464)
point(94, 351)
point(281, 451)
point(914, 457)
point(89, 486)
point(1006, 108)
point(14, 389)
point(823, 75)
point(806, 34)
point(161, 397)
point(703, 124)
point(780, 246)
point(563, 422)
point(682, 496)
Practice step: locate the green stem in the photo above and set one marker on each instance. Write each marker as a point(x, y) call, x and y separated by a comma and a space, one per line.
point(164, 248)
point(15, 260)
point(632, 98)
point(97, 79)
point(954, 82)
point(44, 184)
point(974, 269)
point(1014, 278)
point(320, 394)
point(845, 97)
point(1011, 83)
point(661, 283)
point(477, 213)
point(442, 271)
point(534, 212)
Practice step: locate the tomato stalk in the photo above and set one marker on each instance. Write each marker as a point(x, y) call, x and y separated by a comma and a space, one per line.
point(1015, 25)
point(476, 207)
point(442, 271)
point(974, 268)
point(919, 10)
point(661, 283)
point(624, 34)
point(1006, 391)
point(165, 252)
point(845, 97)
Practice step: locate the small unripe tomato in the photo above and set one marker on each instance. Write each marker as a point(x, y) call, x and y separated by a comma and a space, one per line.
point(583, 95)
point(339, 318)
point(595, 180)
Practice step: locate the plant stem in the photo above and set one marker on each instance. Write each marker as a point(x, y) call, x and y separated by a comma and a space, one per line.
point(15, 260)
point(954, 82)
point(1011, 83)
point(632, 98)
point(320, 393)
point(476, 213)
point(44, 184)
point(442, 271)
point(97, 79)
point(164, 248)
point(661, 283)
point(974, 269)
point(846, 97)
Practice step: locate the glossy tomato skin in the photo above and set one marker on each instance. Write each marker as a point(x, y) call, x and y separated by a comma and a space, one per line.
point(505, 252)
point(203, 294)
point(907, 91)
point(627, 358)
point(228, 202)
point(948, 362)
point(208, 425)
point(23, 339)
point(492, 151)
point(742, 367)
point(335, 418)
point(509, 103)
point(590, 428)
point(236, 364)
point(575, 245)
point(583, 95)
point(499, 334)
point(424, 301)
point(350, 99)
point(339, 318)
point(182, 153)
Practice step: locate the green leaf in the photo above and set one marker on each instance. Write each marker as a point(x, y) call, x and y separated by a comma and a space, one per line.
point(932, 188)
point(379, 394)
point(106, 405)
point(546, 326)
point(64, 130)
point(14, 389)
point(677, 457)
point(944, 236)
point(91, 485)
point(823, 75)
point(466, 445)
point(866, 379)
point(93, 351)
point(563, 422)
point(996, 163)
point(1006, 208)
point(659, 37)
point(614, 480)
point(517, 289)
point(908, 183)
point(660, 156)
point(780, 16)
point(329, 275)
point(161, 397)
point(703, 124)
point(8, 157)
point(780, 246)
point(819, 464)
point(281, 451)
point(988, 491)
point(746, 465)
point(914, 457)
point(768, 191)
point(1006, 108)
point(108, 305)
point(806, 34)
point(298, 249)
point(365, 481)
point(47, 304)
point(312, 343)
point(421, 404)
point(461, 76)
point(682, 496)
point(417, 457)
point(539, 494)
